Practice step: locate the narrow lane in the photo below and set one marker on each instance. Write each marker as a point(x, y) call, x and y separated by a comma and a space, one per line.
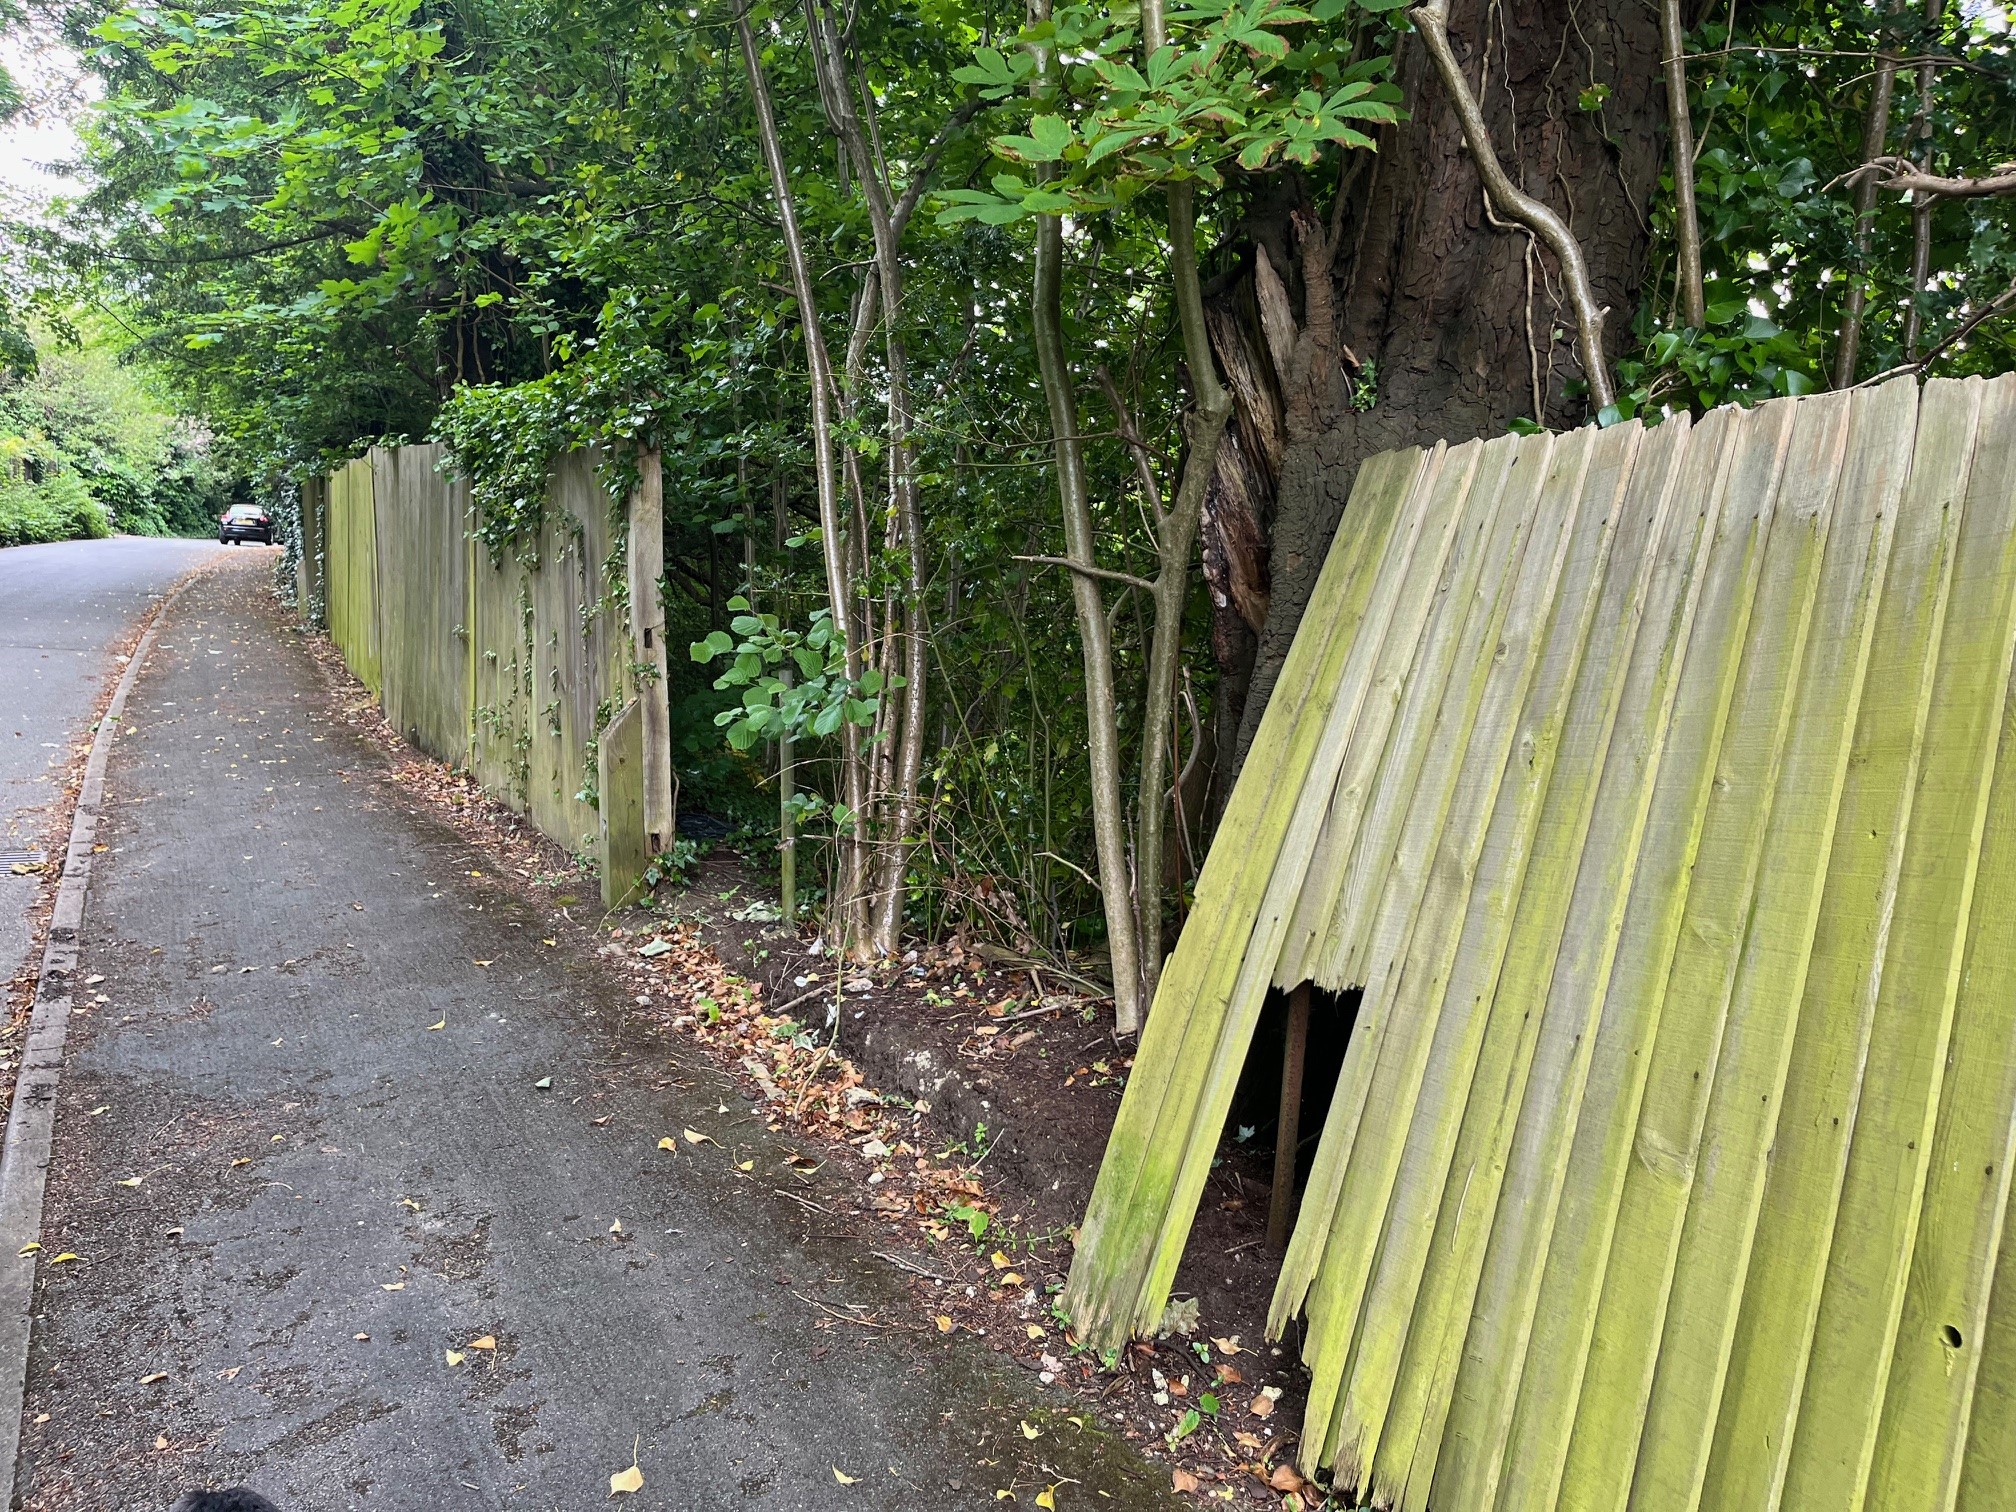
point(402, 1235)
point(62, 608)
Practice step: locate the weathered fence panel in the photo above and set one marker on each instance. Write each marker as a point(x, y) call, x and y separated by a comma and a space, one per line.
point(423, 592)
point(512, 667)
point(1657, 791)
point(353, 570)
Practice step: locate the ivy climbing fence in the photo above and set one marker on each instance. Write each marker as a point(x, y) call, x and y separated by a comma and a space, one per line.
point(540, 670)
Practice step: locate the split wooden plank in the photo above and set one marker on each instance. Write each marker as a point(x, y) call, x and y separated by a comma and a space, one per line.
point(1411, 583)
point(1770, 1350)
point(1130, 1202)
point(1462, 697)
point(1482, 1396)
point(1393, 1020)
point(1896, 1111)
point(1921, 1448)
point(1872, 443)
point(1515, 905)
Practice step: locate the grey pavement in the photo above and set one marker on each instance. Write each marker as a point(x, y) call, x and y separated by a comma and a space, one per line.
point(332, 1195)
point(62, 608)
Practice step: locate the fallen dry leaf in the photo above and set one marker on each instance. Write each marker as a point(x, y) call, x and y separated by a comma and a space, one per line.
point(442, 1025)
point(30, 1247)
point(1183, 1481)
point(392, 1286)
point(1261, 1406)
point(160, 1441)
point(488, 1341)
point(944, 1324)
point(626, 1482)
point(844, 1478)
point(1286, 1478)
point(669, 1143)
point(695, 1137)
point(454, 1356)
point(1048, 1498)
point(65, 1258)
point(149, 1380)
point(1226, 1346)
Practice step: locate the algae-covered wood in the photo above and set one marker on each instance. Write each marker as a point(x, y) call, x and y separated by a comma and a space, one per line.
point(1653, 788)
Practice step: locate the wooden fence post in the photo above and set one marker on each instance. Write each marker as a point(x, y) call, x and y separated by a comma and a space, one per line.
point(647, 649)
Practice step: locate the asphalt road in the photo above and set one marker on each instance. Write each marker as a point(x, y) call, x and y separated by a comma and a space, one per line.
point(62, 609)
point(375, 1119)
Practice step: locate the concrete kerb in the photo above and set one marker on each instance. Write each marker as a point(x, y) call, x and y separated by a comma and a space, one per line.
point(31, 1123)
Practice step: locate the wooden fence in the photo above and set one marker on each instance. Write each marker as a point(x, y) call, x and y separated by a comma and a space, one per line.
point(523, 669)
point(1655, 789)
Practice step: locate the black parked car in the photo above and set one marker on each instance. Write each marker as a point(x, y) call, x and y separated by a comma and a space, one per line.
point(244, 522)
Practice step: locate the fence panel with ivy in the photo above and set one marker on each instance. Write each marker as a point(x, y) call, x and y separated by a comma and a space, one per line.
point(508, 666)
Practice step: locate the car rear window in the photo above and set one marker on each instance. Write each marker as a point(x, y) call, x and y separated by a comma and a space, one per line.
point(244, 511)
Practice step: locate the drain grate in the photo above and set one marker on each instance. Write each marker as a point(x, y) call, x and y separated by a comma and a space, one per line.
point(10, 858)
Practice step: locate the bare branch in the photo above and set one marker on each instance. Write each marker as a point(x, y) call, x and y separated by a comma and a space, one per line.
point(1902, 176)
point(1433, 20)
point(1106, 574)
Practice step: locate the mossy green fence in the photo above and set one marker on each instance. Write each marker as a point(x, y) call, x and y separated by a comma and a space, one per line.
point(1657, 790)
point(509, 668)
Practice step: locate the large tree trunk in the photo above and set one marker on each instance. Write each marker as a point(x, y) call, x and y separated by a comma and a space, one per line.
point(1431, 291)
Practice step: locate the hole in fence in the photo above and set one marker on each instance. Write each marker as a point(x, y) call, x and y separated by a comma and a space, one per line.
point(1256, 1105)
point(1951, 1335)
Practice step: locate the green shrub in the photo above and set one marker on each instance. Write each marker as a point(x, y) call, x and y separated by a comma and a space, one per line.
point(58, 509)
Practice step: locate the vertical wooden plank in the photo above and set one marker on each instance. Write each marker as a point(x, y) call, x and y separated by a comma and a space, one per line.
point(1505, 550)
point(619, 765)
point(1447, 1189)
point(1511, 918)
point(1768, 631)
point(1922, 1444)
point(1395, 1015)
point(1770, 1350)
point(645, 561)
point(1991, 1404)
point(1496, 1286)
point(1108, 1272)
point(1896, 1111)
point(1483, 1393)
point(1358, 806)
point(1754, 689)
point(1874, 429)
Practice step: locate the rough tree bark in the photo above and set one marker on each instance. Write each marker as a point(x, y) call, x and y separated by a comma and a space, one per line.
point(1426, 299)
